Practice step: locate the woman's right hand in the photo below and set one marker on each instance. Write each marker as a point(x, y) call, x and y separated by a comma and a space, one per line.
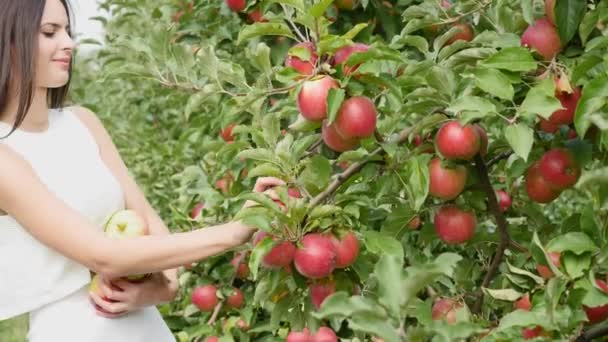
point(265, 185)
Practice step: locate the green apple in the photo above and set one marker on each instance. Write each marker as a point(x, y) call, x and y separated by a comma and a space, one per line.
point(126, 224)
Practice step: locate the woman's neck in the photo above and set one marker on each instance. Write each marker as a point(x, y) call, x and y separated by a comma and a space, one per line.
point(37, 117)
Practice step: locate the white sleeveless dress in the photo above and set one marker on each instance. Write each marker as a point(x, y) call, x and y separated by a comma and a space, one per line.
point(37, 279)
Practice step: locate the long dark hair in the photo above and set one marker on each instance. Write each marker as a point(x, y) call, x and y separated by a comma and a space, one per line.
point(19, 30)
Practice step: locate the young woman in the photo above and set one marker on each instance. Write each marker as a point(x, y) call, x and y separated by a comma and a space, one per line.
point(61, 178)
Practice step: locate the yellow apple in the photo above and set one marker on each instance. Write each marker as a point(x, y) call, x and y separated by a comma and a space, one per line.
point(126, 224)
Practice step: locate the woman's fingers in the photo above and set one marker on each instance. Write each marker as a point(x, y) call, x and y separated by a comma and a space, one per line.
point(106, 308)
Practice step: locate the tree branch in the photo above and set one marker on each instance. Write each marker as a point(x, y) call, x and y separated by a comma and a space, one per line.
point(498, 158)
point(501, 222)
point(593, 333)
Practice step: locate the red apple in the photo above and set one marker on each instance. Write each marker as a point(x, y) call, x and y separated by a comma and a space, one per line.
point(356, 118)
point(455, 141)
point(344, 53)
point(446, 182)
point(598, 314)
point(445, 309)
point(312, 98)
point(197, 210)
point(454, 225)
point(545, 271)
point(280, 255)
point(465, 32)
point(212, 339)
point(293, 192)
point(324, 334)
point(347, 5)
point(537, 187)
point(547, 126)
point(334, 141)
point(542, 37)
point(320, 291)
point(524, 303)
point(236, 299)
point(504, 200)
point(204, 298)
point(569, 101)
point(256, 16)
point(236, 5)
point(243, 271)
point(298, 336)
point(414, 223)
point(558, 168)
point(317, 257)
point(226, 133)
point(346, 249)
point(302, 66)
point(530, 333)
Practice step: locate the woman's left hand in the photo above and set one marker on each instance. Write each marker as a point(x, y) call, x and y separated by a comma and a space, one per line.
point(122, 296)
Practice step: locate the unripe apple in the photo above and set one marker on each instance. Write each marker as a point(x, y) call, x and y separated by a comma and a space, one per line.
point(302, 66)
point(356, 118)
point(504, 200)
point(446, 182)
point(542, 37)
point(344, 53)
point(465, 32)
point(226, 133)
point(280, 255)
point(298, 336)
point(334, 141)
point(243, 270)
point(523, 303)
point(324, 334)
point(126, 224)
point(569, 101)
point(320, 291)
point(598, 314)
point(204, 297)
point(454, 225)
point(537, 187)
point(346, 249)
point(558, 168)
point(545, 271)
point(197, 210)
point(312, 98)
point(550, 10)
point(454, 141)
point(446, 309)
point(317, 257)
point(236, 5)
point(236, 299)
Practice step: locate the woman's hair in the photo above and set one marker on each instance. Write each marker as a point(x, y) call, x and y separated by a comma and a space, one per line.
point(19, 31)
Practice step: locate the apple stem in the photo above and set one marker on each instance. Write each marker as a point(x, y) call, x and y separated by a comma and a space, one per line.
point(593, 333)
point(501, 222)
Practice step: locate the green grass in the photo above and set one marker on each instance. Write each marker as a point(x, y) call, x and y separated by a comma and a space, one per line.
point(14, 330)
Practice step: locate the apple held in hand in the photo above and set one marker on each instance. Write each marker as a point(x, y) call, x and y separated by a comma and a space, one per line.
point(126, 224)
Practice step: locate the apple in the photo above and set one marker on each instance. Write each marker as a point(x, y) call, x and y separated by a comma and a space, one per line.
point(542, 36)
point(256, 16)
point(236, 5)
point(317, 257)
point(347, 5)
point(324, 334)
point(537, 187)
point(598, 314)
point(546, 126)
point(465, 32)
point(304, 67)
point(344, 53)
point(414, 223)
point(226, 133)
point(243, 270)
point(446, 182)
point(504, 200)
point(312, 98)
point(280, 255)
point(236, 299)
point(212, 339)
point(530, 333)
point(346, 249)
point(558, 168)
point(298, 336)
point(320, 291)
point(545, 271)
point(294, 193)
point(453, 225)
point(569, 101)
point(454, 141)
point(204, 297)
point(356, 118)
point(550, 10)
point(446, 309)
point(334, 141)
point(197, 210)
point(126, 224)
point(523, 303)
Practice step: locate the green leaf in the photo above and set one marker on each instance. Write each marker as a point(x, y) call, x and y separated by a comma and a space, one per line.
point(587, 25)
point(576, 265)
point(264, 29)
point(353, 32)
point(523, 272)
point(258, 253)
point(297, 4)
point(419, 276)
point(416, 41)
point(594, 297)
point(521, 318)
point(334, 101)
point(266, 170)
point(541, 99)
point(576, 242)
point(568, 15)
point(389, 273)
point(593, 100)
point(442, 79)
point(494, 82)
point(380, 244)
point(503, 294)
point(512, 59)
point(521, 139)
point(340, 304)
point(259, 154)
point(377, 326)
point(470, 104)
point(416, 169)
point(319, 8)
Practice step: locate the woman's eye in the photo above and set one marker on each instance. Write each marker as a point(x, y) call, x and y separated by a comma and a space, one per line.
point(48, 34)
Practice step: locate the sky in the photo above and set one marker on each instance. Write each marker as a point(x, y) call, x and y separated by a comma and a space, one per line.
point(86, 28)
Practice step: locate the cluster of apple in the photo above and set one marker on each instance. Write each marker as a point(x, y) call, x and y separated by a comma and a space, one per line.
point(356, 117)
point(456, 144)
point(548, 177)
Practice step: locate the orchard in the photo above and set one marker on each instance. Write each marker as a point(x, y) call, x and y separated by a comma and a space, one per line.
point(445, 162)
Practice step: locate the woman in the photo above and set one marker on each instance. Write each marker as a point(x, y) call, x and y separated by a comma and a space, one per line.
point(61, 178)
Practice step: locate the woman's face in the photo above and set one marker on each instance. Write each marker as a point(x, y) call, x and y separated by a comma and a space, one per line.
point(54, 47)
